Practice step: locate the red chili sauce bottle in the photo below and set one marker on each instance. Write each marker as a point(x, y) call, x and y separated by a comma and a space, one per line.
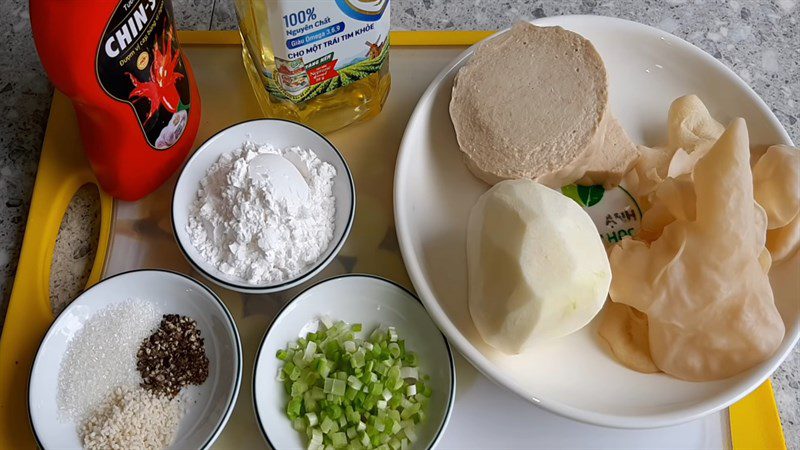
point(132, 88)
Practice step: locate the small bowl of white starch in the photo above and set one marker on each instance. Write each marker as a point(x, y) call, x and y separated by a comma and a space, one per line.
point(263, 206)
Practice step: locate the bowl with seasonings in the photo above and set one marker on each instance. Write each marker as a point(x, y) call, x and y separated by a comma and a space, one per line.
point(263, 206)
point(143, 359)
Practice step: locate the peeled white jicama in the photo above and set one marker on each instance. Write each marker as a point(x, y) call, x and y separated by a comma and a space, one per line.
point(537, 266)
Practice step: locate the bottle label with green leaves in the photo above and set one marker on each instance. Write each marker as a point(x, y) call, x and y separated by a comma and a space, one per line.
point(322, 46)
point(615, 212)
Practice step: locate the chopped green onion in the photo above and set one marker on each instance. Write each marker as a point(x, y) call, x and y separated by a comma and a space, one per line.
point(311, 348)
point(334, 386)
point(327, 425)
point(410, 434)
point(335, 411)
point(409, 372)
point(317, 393)
point(293, 407)
point(316, 435)
point(354, 382)
point(410, 411)
point(298, 388)
point(426, 391)
point(358, 358)
point(350, 392)
point(323, 367)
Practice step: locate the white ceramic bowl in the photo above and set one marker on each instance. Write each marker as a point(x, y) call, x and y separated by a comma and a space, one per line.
point(576, 376)
point(209, 405)
point(280, 134)
point(371, 301)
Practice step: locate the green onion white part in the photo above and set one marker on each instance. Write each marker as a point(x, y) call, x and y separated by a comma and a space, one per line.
point(347, 392)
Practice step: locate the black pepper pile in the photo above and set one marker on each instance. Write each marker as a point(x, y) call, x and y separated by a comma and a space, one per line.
point(173, 356)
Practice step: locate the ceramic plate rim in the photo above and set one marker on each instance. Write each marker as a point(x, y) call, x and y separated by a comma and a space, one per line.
point(452, 365)
point(80, 299)
point(463, 344)
point(283, 285)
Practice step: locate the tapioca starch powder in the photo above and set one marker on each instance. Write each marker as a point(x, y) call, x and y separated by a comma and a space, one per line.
point(264, 214)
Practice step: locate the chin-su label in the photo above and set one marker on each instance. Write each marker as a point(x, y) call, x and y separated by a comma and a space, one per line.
point(139, 62)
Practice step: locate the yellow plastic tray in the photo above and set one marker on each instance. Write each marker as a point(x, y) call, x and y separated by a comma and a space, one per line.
point(63, 169)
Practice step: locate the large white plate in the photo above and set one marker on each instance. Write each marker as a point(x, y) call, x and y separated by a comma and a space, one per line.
point(575, 376)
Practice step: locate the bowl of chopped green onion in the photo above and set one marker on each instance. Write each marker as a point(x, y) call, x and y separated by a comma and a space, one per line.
point(353, 362)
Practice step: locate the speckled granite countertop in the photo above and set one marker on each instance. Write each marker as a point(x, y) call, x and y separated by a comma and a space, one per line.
point(757, 39)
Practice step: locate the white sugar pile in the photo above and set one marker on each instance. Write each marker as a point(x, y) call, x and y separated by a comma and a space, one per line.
point(101, 357)
point(133, 419)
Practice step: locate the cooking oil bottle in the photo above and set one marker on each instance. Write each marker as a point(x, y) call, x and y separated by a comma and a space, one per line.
point(324, 63)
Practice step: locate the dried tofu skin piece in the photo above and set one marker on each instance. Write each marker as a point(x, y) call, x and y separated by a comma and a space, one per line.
point(691, 126)
point(765, 259)
point(626, 332)
point(784, 242)
point(691, 129)
point(760, 222)
point(702, 284)
point(645, 175)
point(776, 184)
point(673, 199)
point(682, 163)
